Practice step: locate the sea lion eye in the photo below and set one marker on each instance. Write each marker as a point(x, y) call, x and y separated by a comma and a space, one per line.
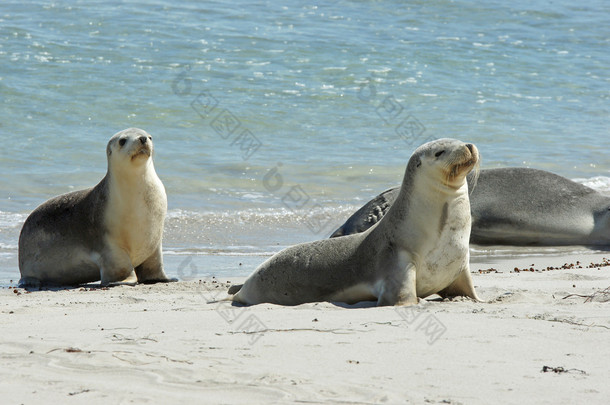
point(437, 154)
point(122, 141)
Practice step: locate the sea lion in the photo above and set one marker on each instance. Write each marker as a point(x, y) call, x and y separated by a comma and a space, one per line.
point(105, 233)
point(517, 206)
point(419, 248)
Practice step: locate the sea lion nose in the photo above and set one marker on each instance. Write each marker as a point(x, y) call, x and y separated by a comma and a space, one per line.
point(143, 140)
point(469, 146)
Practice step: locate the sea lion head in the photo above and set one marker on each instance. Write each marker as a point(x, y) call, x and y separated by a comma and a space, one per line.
point(131, 146)
point(448, 158)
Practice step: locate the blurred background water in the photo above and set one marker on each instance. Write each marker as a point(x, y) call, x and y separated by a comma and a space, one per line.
point(272, 121)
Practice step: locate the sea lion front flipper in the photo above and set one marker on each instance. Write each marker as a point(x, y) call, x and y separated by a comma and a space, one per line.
point(399, 288)
point(461, 286)
point(151, 270)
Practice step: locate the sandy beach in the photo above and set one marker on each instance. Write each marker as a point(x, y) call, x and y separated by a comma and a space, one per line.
point(272, 125)
point(541, 336)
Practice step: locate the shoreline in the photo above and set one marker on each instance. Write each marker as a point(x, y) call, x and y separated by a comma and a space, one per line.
point(189, 267)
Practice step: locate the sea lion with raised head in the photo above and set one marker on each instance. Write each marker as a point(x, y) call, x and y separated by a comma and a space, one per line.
point(419, 248)
point(111, 232)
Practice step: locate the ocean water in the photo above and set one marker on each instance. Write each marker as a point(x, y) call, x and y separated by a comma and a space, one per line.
point(274, 121)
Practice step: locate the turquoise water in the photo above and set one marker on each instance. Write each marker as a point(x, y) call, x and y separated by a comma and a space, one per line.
point(273, 121)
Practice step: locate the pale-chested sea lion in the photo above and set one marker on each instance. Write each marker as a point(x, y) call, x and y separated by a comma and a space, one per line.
point(517, 206)
point(103, 233)
point(419, 248)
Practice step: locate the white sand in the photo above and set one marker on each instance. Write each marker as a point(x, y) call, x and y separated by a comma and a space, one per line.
point(164, 344)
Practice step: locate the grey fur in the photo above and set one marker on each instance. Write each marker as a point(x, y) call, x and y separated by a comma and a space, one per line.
point(65, 240)
point(388, 261)
point(517, 206)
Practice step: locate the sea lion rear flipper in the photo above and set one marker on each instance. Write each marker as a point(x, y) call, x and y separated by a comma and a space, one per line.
point(369, 214)
point(29, 283)
point(235, 288)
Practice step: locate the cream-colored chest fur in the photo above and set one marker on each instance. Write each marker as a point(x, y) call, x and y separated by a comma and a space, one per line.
point(443, 227)
point(448, 254)
point(135, 213)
